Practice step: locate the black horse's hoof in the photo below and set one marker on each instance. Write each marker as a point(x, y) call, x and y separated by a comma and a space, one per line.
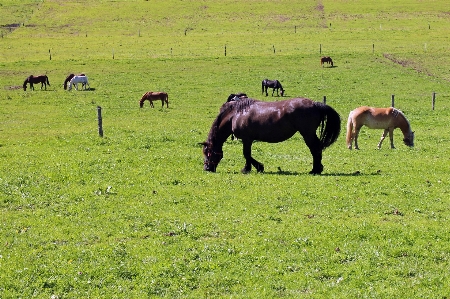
point(245, 171)
point(315, 171)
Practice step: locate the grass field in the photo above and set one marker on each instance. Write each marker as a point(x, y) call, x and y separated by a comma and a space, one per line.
point(133, 214)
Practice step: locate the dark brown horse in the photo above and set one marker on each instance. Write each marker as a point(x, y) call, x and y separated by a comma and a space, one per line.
point(251, 120)
point(154, 96)
point(43, 79)
point(326, 59)
point(274, 84)
point(68, 78)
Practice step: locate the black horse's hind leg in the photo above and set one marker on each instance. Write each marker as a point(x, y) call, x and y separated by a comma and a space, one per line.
point(249, 161)
point(313, 143)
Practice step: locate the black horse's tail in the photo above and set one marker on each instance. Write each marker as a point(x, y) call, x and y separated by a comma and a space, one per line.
point(46, 79)
point(330, 126)
point(263, 83)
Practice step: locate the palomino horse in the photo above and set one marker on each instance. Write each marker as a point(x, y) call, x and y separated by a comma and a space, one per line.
point(43, 79)
point(79, 79)
point(378, 118)
point(68, 78)
point(274, 84)
point(154, 96)
point(251, 120)
point(326, 59)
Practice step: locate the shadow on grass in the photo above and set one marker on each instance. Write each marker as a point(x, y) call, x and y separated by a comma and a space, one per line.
point(295, 173)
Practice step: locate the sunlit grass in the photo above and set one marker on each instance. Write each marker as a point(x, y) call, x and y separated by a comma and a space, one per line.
point(133, 214)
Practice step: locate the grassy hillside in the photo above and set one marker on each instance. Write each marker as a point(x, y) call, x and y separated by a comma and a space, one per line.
point(133, 214)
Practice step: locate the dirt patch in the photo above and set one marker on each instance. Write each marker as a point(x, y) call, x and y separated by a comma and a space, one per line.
point(12, 87)
point(407, 63)
point(320, 7)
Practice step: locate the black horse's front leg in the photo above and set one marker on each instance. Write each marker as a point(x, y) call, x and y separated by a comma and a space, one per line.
point(249, 161)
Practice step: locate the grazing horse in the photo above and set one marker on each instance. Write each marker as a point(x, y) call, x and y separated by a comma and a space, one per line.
point(154, 96)
point(326, 59)
point(43, 79)
point(79, 79)
point(236, 96)
point(252, 120)
point(378, 118)
point(274, 84)
point(68, 78)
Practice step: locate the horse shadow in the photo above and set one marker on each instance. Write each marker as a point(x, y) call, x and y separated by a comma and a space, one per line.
point(333, 174)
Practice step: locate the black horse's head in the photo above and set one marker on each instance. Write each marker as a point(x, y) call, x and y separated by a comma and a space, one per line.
point(282, 92)
point(212, 157)
point(25, 84)
point(409, 140)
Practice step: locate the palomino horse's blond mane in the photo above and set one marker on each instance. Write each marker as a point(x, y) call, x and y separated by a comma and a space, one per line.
point(387, 119)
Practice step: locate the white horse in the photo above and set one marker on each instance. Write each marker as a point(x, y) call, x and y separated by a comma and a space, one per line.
point(79, 79)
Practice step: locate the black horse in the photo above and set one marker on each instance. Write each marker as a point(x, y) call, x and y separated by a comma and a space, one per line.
point(236, 96)
point(251, 120)
point(68, 78)
point(326, 59)
point(43, 79)
point(274, 84)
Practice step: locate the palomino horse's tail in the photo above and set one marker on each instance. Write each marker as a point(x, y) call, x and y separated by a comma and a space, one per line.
point(349, 135)
point(330, 126)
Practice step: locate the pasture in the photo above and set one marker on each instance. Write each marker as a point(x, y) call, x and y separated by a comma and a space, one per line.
point(133, 214)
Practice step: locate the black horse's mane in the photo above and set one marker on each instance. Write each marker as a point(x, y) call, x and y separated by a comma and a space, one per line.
point(237, 106)
point(229, 107)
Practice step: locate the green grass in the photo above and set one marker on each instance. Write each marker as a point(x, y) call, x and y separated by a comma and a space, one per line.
point(133, 214)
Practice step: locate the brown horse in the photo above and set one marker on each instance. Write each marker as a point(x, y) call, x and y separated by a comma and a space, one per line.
point(43, 79)
point(378, 118)
point(154, 96)
point(252, 120)
point(326, 59)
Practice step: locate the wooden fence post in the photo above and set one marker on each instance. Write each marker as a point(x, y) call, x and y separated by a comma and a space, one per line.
point(392, 101)
point(100, 125)
point(433, 100)
point(325, 100)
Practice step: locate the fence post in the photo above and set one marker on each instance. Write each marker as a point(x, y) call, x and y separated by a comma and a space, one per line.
point(433, 100)
point(320, 49)
point(100, 125)
point(392, 101)
point(325, 100)
point(225, 50)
